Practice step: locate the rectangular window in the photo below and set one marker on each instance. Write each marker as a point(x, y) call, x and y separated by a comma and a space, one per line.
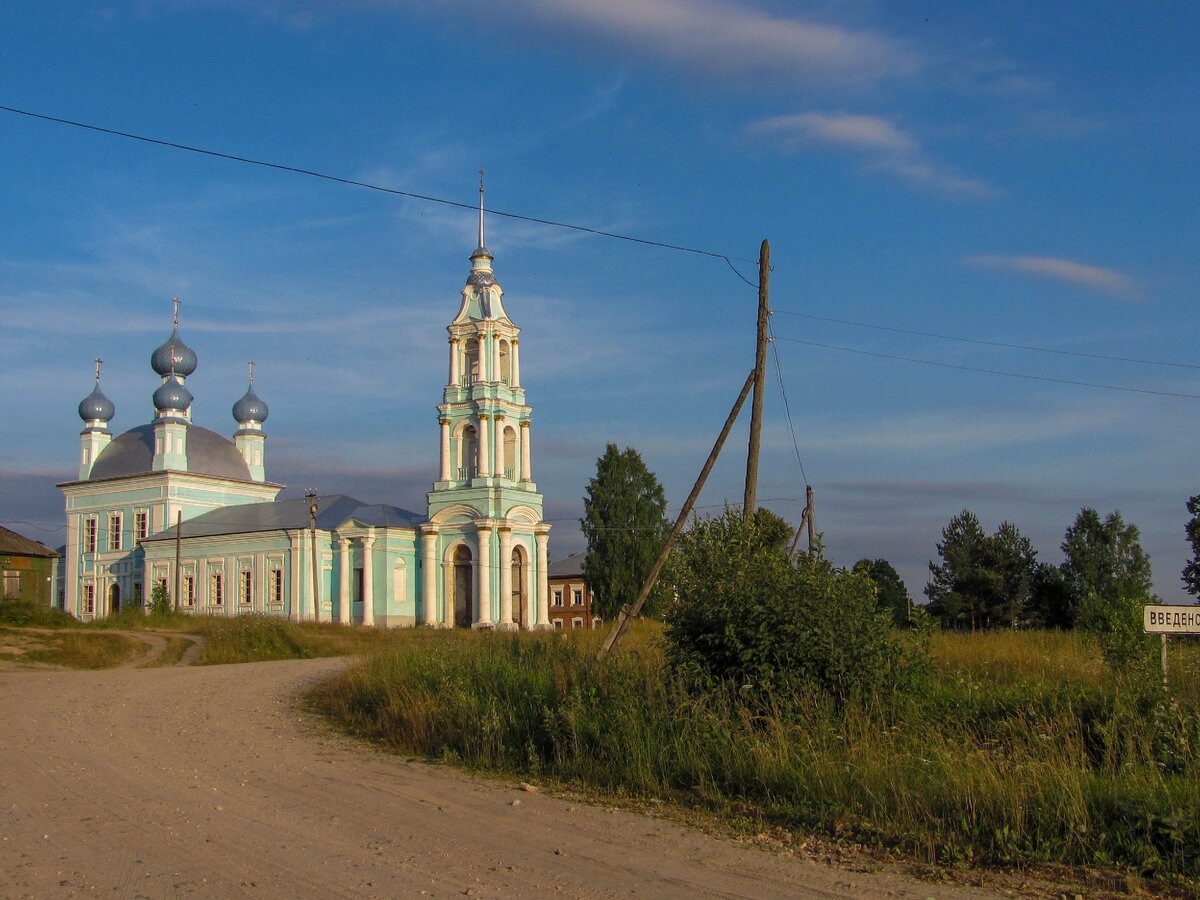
point(89, 598)
point(246, 588)
point(558, 598)
point(90, 527)
point(216, 589)
point(577, 623)
point(12, 585)
point(577, 598)
point(114, 531)
point(357, 596)
point(141, 523)
point(558, 623)
point(277, 587)
point(189, 590)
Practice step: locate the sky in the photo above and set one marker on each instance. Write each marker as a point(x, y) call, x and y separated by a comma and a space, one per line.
point(1009, 173)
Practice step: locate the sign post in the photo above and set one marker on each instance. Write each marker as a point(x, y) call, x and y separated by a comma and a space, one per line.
point(1167, 620)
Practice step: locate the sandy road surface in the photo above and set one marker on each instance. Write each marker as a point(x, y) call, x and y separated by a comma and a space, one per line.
point(173, 782)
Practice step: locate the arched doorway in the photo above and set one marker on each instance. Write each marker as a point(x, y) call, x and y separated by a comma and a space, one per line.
point(114, 598)
point(520, 614)
point(463, 582)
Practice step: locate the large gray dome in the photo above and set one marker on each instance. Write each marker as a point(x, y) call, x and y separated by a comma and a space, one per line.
point(250, 408)
point(174, 356)
point(96, 406)
point(172, 395)
point(132, 453)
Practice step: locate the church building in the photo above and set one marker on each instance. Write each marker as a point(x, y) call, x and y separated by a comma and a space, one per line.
point(175, 505)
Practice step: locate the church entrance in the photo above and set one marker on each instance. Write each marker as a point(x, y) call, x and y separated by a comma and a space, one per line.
point(518, 589)
point(463, 578)
point(114, 598)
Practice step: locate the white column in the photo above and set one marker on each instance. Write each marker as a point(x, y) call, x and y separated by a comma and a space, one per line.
point(368, 615)
point(430, 568)
point(454, 360)
point(485, 357)
point(516, 363)
point(494, 353)
point(506, 610)
point(445, 468)
point(448, 585)
point(485, 445)
point(343, 615)
point(525, 466)
point(485, 576)
point(543, 584)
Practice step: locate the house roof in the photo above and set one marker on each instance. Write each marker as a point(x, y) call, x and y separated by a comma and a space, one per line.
point(13, 544)
point(567, 567)
point(332, 511)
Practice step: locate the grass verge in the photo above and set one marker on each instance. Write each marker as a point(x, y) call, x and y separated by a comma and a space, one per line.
point(1013, 754)
point(71, 649)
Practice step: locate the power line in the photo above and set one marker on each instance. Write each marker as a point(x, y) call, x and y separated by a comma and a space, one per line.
point(966, 340)
point(786, 407)
point(296, 170)
point(944, 365)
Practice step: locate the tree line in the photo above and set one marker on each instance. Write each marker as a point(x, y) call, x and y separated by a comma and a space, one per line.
point(980, 581)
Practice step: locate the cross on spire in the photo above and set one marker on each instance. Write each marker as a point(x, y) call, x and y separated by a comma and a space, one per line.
point(98, 363)
point(251, 365)
point(176, 301)
point(481, 244)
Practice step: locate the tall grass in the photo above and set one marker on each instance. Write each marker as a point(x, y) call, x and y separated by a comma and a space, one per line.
point(1007, 757)
point(78, 650)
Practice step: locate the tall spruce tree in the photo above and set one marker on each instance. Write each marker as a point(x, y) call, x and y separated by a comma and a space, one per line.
point(983, 581)
point(890, 592)
point(624, 521)
point(1104, 562)
point(1191, 572)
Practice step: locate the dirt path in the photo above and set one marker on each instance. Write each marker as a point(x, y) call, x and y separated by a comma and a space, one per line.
point(170, 782)
point(154, 644)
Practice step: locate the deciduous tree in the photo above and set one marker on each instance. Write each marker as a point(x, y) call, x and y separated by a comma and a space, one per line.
point(625, 525)
point(1191, 572)
point(890, 592)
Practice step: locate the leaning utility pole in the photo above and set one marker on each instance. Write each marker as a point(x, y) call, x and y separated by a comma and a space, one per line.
point(630, 612)
point(806, 519)
point(312, 527)
point(749, 501)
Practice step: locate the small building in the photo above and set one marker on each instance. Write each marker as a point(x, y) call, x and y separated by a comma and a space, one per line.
point(26, 568)
point(570, 598)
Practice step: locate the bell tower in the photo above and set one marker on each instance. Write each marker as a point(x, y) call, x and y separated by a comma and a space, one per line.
point(485, 498)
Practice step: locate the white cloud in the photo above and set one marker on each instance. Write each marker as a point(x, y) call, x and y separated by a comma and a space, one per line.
point(883, 145)
point(1108, 281)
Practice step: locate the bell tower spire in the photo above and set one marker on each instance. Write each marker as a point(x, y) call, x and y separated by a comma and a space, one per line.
point(482, 245)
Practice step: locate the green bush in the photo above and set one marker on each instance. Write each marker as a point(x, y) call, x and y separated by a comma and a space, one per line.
point(744, 615)
point(160, 600)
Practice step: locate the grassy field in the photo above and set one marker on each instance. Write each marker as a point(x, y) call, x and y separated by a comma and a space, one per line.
point(66, 649)
point(1021, 748)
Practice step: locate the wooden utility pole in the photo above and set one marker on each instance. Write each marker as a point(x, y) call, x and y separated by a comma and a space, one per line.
point(178, 555)
point(629, 612)
point(312, 527)
point(749, 500)
point(806, 520)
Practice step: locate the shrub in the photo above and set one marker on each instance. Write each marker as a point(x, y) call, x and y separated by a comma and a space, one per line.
point(160, 600)
point(743, 614)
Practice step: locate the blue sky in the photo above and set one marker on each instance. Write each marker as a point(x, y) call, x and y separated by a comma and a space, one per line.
point(1005, 172)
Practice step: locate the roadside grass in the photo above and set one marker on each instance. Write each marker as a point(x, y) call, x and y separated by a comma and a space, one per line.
point(75, 649)
point(21, 614)
point(1019, 750)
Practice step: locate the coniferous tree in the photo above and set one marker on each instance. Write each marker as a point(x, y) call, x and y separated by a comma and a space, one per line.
point(1191, 572)
point(625, 525)
point(983, 581)
point(891, 594)
point(1104, 562)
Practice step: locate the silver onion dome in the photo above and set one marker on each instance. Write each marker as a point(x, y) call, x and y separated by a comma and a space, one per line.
point(173, 356)
point(250, 408)
point(172, 395)
point(96, 406)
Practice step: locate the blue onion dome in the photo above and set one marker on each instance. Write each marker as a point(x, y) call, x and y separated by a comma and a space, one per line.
point(96, 406)
point(173, 356)
point(250, 408)
point(172, 395)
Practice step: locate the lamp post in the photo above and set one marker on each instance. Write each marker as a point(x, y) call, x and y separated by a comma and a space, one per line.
point(311, 496)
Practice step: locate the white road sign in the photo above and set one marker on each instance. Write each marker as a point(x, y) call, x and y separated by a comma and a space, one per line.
point(1171, 619)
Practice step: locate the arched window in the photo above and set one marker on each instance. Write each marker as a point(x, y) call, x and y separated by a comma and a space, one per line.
point(505, 362)
point(520, 614)
point(472, 374)
point(510, 453)
point(463, 582)
point(468, 453)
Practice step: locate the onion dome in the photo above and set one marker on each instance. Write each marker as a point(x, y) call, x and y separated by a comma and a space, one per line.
point(173, 356)
point(250, 408)
point(172, 395)
point(95, 406)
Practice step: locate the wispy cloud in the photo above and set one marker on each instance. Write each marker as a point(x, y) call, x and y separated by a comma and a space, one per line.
point(882, 145)
point(1108, 281)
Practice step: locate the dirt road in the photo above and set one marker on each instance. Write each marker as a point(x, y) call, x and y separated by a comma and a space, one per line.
point(173, 782)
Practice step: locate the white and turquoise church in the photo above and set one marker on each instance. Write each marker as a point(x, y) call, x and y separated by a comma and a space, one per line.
point(174, 504)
